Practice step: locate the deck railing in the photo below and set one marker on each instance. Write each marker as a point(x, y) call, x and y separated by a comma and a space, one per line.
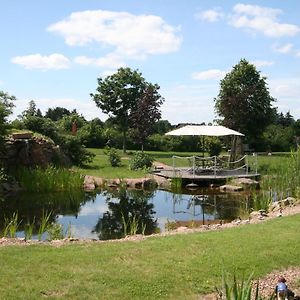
point(213, 165)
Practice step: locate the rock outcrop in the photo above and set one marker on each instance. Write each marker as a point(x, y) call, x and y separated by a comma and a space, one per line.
point(27, 150)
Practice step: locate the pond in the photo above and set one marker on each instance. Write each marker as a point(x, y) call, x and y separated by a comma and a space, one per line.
point(111, 214)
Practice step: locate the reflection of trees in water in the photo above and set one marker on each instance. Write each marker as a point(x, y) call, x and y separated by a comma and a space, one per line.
point(231, 206)
point(123, 206)
point(31, 206)
point(227, 206)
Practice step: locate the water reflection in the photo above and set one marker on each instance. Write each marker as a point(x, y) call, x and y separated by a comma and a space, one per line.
point(112, 214)
point(129, 212)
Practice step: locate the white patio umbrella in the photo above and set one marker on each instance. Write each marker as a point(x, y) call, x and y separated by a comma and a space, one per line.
point(204, 130)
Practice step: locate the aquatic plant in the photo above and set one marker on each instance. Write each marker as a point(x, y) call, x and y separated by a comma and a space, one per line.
point(131, 226)
point(55, 231)
point(176, 184)
point(49, 179)
point(28, 229)
point(44, 225)
point(11, 226)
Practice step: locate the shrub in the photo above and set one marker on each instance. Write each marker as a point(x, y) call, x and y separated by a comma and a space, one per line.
point(114, 158)
point(77, 153)
point(140, 160)
point(213, 146)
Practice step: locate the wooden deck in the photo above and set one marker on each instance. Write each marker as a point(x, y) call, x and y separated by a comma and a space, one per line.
point(205, 176)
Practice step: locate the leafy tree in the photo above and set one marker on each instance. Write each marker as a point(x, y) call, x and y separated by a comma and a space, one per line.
point(284, 120)
point(67, 120)
point(6, 106)
point(162, 126)
point(41, 125)
point(146, 114)
point(31, 111)
point(279, 138)
point(57, 113)
point(244, 102)
point(117, 95)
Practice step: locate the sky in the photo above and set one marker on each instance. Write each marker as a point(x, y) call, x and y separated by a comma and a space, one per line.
point(53, 51)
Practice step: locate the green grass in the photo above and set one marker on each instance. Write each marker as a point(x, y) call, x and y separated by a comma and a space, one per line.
point(172, 267)
point(101, 167)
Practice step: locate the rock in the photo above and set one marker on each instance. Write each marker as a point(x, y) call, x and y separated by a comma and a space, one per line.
point(89, 183)
point(246, 183)
point(278, 205)
point(230, 188)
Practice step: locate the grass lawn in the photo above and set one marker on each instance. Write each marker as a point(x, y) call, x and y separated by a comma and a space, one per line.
point(101, 167)
point(172, 267)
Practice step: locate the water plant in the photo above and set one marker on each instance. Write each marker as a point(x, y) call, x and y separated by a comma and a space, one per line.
point(44, 225)
point(55, 231)
point(49, 179)
point(28, 229)
point(131, 226)
point(11, 226)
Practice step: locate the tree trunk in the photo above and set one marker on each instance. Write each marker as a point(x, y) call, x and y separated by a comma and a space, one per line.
point(124, 141)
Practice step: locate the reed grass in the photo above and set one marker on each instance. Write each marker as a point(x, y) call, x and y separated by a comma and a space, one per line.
point(28, 229)
point(11, 226)
point(50, 179)
point(44, 225)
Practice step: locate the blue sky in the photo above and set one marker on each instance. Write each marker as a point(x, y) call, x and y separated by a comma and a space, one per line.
point(52, 52)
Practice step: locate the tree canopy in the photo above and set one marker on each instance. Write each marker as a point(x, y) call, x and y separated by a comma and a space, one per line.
point(118, 96)
point(244, 102)
point(6, 106)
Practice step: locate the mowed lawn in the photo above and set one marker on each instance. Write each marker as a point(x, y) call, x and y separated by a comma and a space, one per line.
point(172, 267)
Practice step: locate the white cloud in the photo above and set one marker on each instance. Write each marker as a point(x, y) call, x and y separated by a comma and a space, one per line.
point(1, 82)
point(189, 103)
point(54, 61)
point(298, 53)
point(86, 107)
point(108, 61)
point(284, 49)
point(261, 19)
point(286, 91)
point(210, 15)
point(124, 34)
point(262, 63)
point(209, 74)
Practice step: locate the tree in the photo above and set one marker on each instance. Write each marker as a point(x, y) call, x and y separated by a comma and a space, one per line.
point(146, 113)
point(117, 96)
point(244, 102)
point(57, 113)
point(31, 111)
point(6, 106)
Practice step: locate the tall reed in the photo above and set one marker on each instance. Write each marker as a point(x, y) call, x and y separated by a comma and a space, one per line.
point(283, 177)
point(44, 225)
point(28, 230)
point(11, 226)
point(49, 179)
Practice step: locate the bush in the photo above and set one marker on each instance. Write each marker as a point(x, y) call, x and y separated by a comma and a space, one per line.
point(140, 160)
point(114, 158)
point(76, 152)
point(213, 146)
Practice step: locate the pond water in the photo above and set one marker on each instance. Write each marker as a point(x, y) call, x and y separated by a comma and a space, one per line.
point(110, 214)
